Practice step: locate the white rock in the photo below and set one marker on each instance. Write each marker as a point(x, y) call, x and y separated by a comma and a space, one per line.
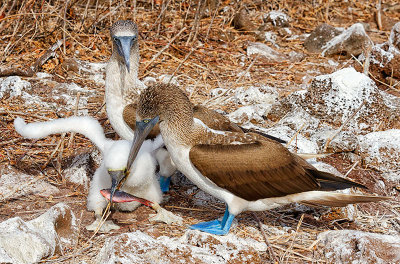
point(258, 48)
point(256, 95)
point(29, 242)
point(77, 172)
point(394, 39)
point(167, 78)
point(381, 149)
point(349, 246)
point(14, 184)
point(13, 85)
point(192, 247)
point(249, 113)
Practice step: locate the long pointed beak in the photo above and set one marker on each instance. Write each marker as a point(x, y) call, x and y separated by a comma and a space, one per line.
point(126, 44)
point(116, 178)
point(142, 129)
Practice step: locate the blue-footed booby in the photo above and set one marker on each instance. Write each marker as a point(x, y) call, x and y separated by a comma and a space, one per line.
point(141, 181)
point(123, 88)
point(247, 171)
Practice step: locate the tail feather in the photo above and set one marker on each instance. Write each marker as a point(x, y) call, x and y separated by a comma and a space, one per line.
point(87, 126)
point(330, 182)
point(333, 199)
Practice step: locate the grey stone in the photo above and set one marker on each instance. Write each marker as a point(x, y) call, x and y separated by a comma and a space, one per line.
point(319, 37)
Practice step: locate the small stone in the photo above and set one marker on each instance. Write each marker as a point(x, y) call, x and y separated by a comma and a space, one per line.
point(13, 86)
point(352, 41)
point(264, 52)
point(70, 65)
point(350, 246)
point(319, 37)
point(394, 38)
point(381, 149)
point(242, 22)
point(277, 18)
point(27, 184)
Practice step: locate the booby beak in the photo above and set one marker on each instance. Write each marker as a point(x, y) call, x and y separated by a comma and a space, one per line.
point(124, 45)
point(117, 177)
point(142, 129)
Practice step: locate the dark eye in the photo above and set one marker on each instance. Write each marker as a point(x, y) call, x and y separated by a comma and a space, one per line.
point(115, 39)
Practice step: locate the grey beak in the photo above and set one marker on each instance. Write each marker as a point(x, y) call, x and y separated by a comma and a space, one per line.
point(142, 129)
point(116, 177)
point(124, 45)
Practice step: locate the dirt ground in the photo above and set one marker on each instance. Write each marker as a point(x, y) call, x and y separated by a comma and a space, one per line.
point(205, 52)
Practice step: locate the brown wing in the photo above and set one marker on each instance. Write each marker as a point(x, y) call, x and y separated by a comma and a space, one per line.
point(129, 116)
point(253, 171)
point(214, 120)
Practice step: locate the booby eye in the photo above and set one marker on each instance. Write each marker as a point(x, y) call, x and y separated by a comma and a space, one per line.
point(146, 121)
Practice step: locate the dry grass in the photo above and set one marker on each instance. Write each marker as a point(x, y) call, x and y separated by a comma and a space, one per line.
point(194, 41)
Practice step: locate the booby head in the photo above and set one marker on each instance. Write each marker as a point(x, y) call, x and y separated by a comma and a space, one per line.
point(124, 34)
point(159, 103)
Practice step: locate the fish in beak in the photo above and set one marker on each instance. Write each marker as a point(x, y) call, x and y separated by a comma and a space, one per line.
point(124, 197)
point(142, 129)
point(117, 177)
point(124, 45)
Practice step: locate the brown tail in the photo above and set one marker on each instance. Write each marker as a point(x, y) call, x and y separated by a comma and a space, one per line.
point(333, 199)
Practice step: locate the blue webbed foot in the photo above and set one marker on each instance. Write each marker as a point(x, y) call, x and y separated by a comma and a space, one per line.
point(164, 183)
point(216, 227)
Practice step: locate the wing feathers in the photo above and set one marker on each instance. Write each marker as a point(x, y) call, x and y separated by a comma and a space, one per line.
point(253, 171)
point(264, 169)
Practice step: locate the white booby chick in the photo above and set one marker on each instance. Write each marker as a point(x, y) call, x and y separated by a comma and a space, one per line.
point(141, 181)
point(245, 170)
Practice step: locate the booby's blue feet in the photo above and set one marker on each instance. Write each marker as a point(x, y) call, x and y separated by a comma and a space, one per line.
point(164, 183)
point(216, 227)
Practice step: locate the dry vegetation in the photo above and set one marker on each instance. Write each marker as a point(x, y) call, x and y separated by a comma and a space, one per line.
point(199, 46)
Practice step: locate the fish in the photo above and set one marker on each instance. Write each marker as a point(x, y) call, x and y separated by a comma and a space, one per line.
point(123, 197)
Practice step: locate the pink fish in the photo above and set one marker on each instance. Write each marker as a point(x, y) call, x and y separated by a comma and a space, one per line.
point(123, 197)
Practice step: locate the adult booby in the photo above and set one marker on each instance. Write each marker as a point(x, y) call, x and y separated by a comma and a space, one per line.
point(123, 87)
point(141, 181)
point(245, 170)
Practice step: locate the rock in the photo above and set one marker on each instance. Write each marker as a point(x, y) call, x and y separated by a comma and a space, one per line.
point(242, 22)
point(333, 98)
point(394, 38)
point(349, 246)
point(70, 64)
point(192, 247)
point(29, 242)
point(381, 149)
point(14, 184)
point(249, 113)
point(13, 86)
point(345, 141)
point(352, 41)
point(256, 100)
point(255, 95)
point(300, 144)
point(319, 37)
point(78, 171)
point(264, 52)
point(385, 59)
point(277, 18)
